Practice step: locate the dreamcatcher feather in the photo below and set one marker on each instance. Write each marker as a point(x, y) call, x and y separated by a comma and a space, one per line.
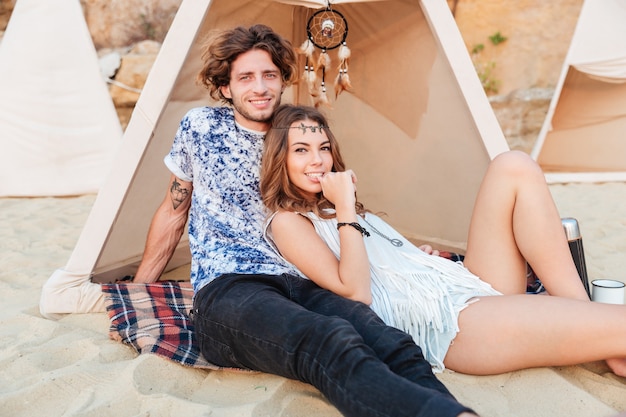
point(309, 76)
point(342, 82)
point(323, 62)
point(326, 29)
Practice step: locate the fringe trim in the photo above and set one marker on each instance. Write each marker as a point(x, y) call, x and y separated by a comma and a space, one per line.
point(426, 303)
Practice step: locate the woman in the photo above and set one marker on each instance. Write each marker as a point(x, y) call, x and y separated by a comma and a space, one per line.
point(318, 225)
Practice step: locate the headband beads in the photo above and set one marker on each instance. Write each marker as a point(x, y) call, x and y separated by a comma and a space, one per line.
point(304, 128)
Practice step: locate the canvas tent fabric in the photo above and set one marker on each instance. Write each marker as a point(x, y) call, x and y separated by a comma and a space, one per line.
point(582, 138)
point(58, 127)
point(417, 128)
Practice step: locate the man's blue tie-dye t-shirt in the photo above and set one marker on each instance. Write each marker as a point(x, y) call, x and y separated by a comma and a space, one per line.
point(226, 217)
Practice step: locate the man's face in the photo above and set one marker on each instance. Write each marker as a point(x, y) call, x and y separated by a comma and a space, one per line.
point(255, 88)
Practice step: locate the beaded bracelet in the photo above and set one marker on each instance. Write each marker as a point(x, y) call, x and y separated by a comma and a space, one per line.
point(357, 226)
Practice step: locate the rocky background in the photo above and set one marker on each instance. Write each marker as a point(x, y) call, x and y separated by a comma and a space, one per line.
point(518, 48)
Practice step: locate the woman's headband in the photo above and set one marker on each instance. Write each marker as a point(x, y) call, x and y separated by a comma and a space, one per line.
point(304, 127)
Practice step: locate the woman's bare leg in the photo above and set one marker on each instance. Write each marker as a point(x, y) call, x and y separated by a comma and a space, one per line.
point(510, 332)
point(515, 220)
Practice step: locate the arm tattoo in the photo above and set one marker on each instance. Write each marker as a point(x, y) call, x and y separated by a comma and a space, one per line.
point(178, 194)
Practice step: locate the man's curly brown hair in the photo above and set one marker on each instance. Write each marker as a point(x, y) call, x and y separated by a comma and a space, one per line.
point(224, 47)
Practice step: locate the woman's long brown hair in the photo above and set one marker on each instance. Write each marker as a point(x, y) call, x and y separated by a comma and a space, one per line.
point(277, 191)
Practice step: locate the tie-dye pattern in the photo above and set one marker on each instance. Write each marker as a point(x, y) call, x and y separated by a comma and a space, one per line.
point(227, 215)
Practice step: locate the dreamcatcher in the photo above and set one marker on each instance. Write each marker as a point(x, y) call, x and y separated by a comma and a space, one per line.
point(326, 29)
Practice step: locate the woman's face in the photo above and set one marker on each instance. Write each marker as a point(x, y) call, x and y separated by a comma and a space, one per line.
point(309, 156)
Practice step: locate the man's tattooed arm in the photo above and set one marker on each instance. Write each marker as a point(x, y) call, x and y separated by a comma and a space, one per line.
point(178, 193)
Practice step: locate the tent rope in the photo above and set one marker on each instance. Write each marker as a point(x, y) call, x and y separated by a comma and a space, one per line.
point(124, 86)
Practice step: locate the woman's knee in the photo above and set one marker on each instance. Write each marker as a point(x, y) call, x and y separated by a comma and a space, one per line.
point(515, 163)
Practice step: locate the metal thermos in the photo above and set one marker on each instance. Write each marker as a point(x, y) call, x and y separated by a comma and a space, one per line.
point(575, 240)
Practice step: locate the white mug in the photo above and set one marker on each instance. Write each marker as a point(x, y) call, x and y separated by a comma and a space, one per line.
point(607, 291)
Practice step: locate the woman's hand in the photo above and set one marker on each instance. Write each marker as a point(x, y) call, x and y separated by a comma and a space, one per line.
point(429, 250)
point(339, 188)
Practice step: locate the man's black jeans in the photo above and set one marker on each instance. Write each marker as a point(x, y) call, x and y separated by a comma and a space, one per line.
point(289, 326)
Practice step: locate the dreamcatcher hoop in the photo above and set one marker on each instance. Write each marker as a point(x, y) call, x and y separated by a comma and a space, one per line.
point(327, 29)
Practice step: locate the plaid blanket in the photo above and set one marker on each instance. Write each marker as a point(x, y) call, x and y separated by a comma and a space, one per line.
point(154, 318)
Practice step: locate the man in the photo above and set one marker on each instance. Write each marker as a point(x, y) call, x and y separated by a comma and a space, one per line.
point(251, 309)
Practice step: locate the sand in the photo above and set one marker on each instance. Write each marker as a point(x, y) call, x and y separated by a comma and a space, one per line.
point(70, 367)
